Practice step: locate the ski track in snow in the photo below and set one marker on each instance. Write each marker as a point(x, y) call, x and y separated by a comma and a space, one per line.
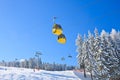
point(11, 73)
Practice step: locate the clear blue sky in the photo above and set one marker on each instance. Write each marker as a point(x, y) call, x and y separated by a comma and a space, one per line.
point(26, 26)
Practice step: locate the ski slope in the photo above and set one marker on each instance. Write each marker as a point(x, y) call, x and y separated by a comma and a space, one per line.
point(11, 73)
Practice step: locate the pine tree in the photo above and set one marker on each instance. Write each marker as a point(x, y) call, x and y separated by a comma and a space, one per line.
point(91, 60)
point(79, 43)
point(101, 54)
point(32, 63)
point(101, 69)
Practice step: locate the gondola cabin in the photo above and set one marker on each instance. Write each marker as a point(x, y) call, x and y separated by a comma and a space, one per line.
point(61, 39)
point(57, 29)
point(62, 58)
point(69, 56)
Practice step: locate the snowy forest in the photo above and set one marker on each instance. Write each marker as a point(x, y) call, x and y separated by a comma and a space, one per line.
point(36, 63)
point(99, 54)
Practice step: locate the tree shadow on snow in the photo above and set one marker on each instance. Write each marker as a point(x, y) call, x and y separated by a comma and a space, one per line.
point(58, 75)
point(81, 75)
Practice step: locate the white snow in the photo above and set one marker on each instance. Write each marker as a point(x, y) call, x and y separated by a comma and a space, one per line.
point(22, 60)
point(114, 34)
point(103, 33)
point(11, 73)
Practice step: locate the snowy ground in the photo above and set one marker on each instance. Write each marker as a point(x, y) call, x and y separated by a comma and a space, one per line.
point(11, 73)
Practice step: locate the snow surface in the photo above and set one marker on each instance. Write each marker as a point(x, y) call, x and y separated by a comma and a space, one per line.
point(11, 73)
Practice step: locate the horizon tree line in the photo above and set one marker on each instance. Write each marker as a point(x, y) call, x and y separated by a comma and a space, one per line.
point(36, 63)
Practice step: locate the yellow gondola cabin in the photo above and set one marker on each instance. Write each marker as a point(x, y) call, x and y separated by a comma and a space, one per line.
point(62, 39)
point(57, 29)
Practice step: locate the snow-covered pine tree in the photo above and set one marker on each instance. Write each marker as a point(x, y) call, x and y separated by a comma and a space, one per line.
point(100, 47)
point(118, 49)
point(26, 63)
point(113, 60)
point(32, 63)
point(79, 43)
point(40, 63)
point(116, 39)
point(107, 66)
point(101, 55)
point(97, 56)
point(90, 47)
point(85, 55)
point(17, 63)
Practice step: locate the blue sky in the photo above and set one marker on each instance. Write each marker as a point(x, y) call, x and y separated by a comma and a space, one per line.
point(26, 26)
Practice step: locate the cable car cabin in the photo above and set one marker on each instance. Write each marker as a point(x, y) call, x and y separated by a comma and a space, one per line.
point(62, 58)
point(70, 56)
point(57, 29)
point(62, 39)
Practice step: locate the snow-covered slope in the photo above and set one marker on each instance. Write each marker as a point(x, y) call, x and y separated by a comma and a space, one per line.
point(11, 73)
